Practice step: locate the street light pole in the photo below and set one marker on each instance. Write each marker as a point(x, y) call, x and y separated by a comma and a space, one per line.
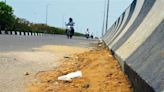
point(107, 15)
point(103, 26)
point(47, 13)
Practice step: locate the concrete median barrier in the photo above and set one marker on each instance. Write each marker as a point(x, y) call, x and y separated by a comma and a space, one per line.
point(22, 33)
point(26, 33)
point(18, 33)
point(137, 41)
point(13, 32)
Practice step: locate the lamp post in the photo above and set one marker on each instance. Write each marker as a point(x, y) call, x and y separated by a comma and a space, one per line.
point(47, 13)
point(103, 25)
point(107, 15)
point(46, 16)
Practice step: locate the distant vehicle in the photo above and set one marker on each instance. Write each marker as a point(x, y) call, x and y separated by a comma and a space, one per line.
point(87, 33)
point(91, 36)
point(70, 28)
point(68, 32)
point(87, 36)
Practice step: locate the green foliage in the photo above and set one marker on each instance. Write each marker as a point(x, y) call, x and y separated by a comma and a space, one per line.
point(43, 28)
point(6, 16)
point(79, 34)
point(21, 25)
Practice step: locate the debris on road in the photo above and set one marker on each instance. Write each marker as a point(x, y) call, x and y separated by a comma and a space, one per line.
point(87, 85)
point(70, 76)
point(67, 57)
point(27, 74)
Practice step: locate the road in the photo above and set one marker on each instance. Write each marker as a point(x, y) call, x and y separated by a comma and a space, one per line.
point(21, 43)
point(18, 57)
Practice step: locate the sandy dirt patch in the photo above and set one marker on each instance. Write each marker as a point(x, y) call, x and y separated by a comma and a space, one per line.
point(18, 68)
point(101, 73)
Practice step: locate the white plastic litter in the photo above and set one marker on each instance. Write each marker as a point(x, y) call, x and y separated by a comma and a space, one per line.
point(70, 76)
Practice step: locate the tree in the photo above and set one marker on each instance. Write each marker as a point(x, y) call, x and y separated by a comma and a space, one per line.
point(21, 24)
point(6, 16)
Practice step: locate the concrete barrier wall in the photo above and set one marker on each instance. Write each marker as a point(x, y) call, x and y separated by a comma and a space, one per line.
point(138, 44)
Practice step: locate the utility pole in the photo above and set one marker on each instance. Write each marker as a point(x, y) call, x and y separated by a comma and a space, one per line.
point(46, 16)
point(107, 15)
point(47, 13)
point(103, 26)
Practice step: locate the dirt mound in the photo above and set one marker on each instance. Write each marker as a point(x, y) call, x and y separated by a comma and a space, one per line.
point(101, 73)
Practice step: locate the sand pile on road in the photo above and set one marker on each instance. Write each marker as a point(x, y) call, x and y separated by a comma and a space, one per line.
point(101, 73)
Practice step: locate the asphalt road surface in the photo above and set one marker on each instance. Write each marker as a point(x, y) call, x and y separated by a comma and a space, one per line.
point(17, 57)
point(19, 43)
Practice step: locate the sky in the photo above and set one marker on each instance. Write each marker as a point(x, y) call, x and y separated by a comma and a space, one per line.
point(85, 13)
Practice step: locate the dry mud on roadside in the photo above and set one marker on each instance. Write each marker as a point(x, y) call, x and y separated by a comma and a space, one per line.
point(101, 73)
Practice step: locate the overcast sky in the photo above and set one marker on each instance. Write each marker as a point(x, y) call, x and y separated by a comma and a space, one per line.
point(85, 13)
